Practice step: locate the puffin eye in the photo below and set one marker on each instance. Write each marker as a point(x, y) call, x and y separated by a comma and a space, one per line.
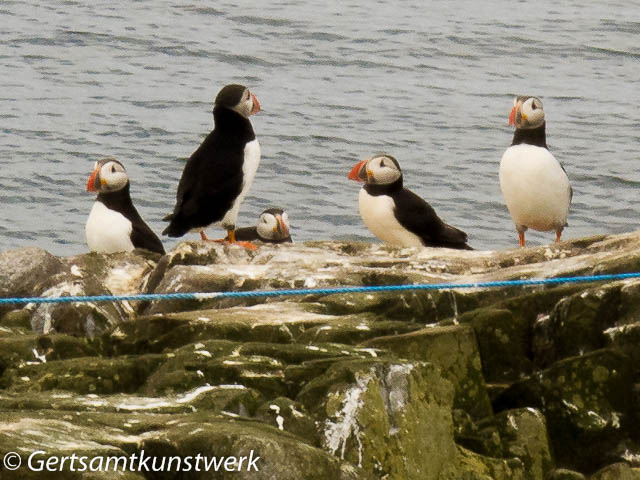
point(533, 105)
point(113, 169)
point(382, 163)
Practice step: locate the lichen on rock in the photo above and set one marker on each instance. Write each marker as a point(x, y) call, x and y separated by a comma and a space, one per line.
point(505, 384)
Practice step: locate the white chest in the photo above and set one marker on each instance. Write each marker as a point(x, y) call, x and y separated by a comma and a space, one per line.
point(377, 212)
point(108, 231)
point(535, 187)
point(249, 168)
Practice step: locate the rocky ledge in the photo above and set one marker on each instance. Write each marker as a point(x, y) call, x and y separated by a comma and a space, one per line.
point(510, 383)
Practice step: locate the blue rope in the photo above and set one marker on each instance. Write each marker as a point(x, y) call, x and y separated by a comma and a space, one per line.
point(320, 291)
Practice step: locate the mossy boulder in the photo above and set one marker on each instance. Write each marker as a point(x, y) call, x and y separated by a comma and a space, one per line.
point(473, 466)
point(25, 272)
point(377, 385)
point(504, 340)
point(588, 405)
point(565, 474)
point(576, 325)
point(83, 374)
point(262, 446)
point(392, 419)
point(524, 435)
point(455, 350)
point(354, 329)
point(290, 416)
point(617, 471)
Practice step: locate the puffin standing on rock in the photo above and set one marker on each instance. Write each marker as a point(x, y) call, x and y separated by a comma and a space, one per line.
point(396, 215)
point(534, 184)
point(219, 174)
point(114, 224)
point(273, 227)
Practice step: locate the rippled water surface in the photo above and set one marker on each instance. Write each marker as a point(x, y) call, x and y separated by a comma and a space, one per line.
point(429, 82)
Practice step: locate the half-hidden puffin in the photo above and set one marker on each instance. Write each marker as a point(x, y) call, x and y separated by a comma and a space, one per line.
point(395, 214)
point(219, 174)
point(114, 224)
point(534, 184)
point(273, 227)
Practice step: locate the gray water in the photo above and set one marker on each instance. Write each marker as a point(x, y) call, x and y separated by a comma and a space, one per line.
point(429, 82)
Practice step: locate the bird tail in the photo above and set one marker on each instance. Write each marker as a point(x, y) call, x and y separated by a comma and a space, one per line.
point(174, 229)
point(455, 238)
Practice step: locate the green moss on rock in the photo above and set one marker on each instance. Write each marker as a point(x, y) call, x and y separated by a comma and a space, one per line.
point(391, 418)
point(588, 405)
point(504, 342)
point(455, 350)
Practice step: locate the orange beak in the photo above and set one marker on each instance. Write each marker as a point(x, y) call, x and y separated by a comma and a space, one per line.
point(256, 104)
point(359, 171)
point(512, 115)
point(93, 184)
point(282, 227)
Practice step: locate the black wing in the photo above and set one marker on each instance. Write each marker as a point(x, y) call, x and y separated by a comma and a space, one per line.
point(250, 234)
point(210, 182)
point(420, 218)
point(143, 237)
point(247, 234)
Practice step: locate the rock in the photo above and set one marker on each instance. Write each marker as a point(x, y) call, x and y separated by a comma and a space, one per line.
point(196, 364)
point(24, 272)
point(18, 351)
point(576, 325)
point(481, 437)
point(121, 273)
point(271, 322)
point(99, 435)
point(386, 384)
point(626, 339)
point(504, 342)
point(473, 466)
point(290, 416)
point(391, 419)
point(524, 435)
point(354, 329)
point(82, 375)
point(266, 446)
point(75, 318)
point(34, 272)
point(455, 350)
point(629, 310)
point(564, 474)
point(20, 319)
point(617, 471)
point(588, 405)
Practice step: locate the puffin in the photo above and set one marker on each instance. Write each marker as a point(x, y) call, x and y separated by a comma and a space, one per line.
point(396, 215)
point(535, 186)
point(273, 227)
point(114, 224)
point(219, 174)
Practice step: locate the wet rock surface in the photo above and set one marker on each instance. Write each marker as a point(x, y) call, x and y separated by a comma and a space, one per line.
point(510, 383)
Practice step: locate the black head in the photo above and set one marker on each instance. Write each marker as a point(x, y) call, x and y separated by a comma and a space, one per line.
point(527, 112)
point(273, 225)
point(237, 98)
point(109, 175)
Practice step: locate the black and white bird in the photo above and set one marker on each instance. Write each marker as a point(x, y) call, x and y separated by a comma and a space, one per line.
point(534, 184)
point(398, 216)
point(114, 224)
point(219, 174)
point(273, 227)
